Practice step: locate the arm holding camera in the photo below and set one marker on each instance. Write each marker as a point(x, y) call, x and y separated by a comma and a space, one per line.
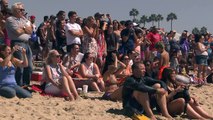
point(109, 18)
point(20, 63)
point(5, 61)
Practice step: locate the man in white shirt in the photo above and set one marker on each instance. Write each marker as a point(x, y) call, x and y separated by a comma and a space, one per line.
point(73, 30)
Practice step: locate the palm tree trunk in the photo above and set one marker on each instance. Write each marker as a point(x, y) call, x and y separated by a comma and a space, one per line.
point(158, 24)
point(171, 25)
point(144, 24)
point(152, 23)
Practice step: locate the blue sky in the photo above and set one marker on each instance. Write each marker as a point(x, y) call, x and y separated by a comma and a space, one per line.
point(190, 13)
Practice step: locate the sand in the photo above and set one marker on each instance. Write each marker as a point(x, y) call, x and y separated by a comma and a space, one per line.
point(91, 108)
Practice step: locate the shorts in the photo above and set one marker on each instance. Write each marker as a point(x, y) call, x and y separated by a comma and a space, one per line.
point(201, 59)
point(52, 90)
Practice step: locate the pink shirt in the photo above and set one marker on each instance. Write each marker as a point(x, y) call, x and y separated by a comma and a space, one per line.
point(154, 38)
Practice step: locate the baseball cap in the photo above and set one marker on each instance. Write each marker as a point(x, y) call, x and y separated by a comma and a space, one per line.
point(98, 14)
point(32, 17)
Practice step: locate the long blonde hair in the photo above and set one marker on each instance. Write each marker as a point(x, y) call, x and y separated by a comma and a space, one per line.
point(49, 57)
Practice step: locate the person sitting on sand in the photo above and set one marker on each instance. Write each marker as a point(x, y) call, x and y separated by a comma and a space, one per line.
point(141, 93)
point(88, 69)
point(57, 79)
point(72, 60)
point(176, 104)
point(112, 90)
point(8, 64)
point(127, 71)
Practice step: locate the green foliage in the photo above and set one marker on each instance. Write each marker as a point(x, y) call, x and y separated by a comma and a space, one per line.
point(202, 31)
point(143, 20)
point(134, 12)
point(153, 18)
point(171, 17)
point(159, 18)
point(195, 31)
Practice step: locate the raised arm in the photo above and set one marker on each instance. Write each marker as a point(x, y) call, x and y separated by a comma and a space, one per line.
point(20, 63)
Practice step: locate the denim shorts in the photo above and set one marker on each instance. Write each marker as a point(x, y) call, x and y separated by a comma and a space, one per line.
point(201, 59)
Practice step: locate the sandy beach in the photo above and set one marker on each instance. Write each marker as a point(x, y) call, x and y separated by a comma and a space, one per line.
point(90, 108)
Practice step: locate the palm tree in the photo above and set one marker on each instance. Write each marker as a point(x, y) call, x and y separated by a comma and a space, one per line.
point(159, 18)
point(195, 31)
point(171, 17)
point(134, 12)
point(152, 18)
point(203, 30)
point(143, 20)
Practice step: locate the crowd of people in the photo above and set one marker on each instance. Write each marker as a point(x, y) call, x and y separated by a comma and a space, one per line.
point(127, 62)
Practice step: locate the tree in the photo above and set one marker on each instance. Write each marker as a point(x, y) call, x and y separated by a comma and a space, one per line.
point(171, 17)
point(134, 12)
point(195, 31)
point(143, 20)
point(159, 18)
point(152, 18)
point(203, 30)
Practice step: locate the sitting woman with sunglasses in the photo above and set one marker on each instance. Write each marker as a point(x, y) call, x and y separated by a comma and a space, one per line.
point(57, 81)
point(8, 64)
point(112, 90)
point(90, 71)
point(126, 71)
point(178, 103)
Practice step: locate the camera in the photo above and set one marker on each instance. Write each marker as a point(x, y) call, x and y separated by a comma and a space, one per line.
point(20, 48)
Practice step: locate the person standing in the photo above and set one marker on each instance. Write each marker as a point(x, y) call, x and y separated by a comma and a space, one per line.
point(73, 30)
point(19, 31)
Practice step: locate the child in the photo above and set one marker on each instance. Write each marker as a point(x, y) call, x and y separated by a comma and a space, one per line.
point(164, 57)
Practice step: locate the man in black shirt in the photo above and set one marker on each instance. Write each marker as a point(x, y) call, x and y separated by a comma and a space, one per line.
point(140, 92)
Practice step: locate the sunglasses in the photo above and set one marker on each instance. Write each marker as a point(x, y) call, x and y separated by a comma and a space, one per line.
point(126, 59)
point(58, 56)
point(22, 10)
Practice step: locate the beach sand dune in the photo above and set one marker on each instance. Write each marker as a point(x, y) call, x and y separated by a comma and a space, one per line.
point(92, 108)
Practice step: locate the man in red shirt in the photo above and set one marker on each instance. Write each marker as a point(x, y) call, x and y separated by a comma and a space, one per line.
point(153, 36)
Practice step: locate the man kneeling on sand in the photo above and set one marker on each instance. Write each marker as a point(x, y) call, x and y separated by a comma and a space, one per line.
point(141, 93)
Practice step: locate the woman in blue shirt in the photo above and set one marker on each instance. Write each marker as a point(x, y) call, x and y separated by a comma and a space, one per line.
point(8, 64)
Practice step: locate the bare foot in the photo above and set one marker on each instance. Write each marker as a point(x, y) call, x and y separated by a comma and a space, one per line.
point(153, 118)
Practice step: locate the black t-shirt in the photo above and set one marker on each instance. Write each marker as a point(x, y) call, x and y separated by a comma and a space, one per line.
point(61, 40)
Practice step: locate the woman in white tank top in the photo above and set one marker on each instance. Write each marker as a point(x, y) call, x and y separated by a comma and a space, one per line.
point(201, 57)
point(89, 69)
point(57, 79)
